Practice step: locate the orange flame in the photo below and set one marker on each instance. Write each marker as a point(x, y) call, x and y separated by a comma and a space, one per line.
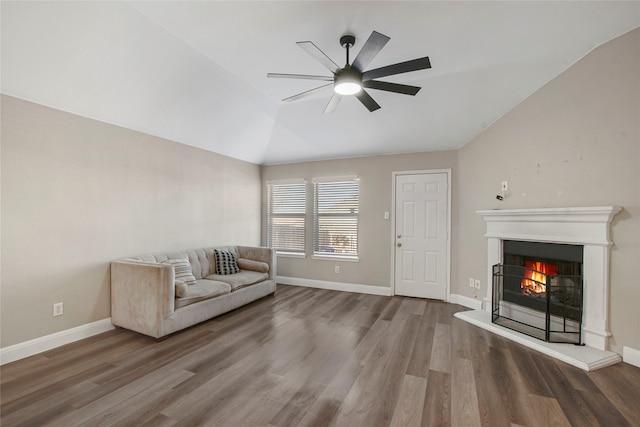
point(535, 277)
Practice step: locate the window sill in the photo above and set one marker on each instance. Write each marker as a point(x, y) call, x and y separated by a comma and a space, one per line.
point(290, 255)
point(347, 258)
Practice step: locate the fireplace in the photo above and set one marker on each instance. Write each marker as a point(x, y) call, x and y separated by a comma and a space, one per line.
point(586, 227)
point(537, 290)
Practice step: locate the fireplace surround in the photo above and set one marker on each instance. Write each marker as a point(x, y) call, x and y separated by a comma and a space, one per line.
point(588, 227)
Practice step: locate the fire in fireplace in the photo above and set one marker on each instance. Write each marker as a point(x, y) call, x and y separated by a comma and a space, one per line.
point(535, 277)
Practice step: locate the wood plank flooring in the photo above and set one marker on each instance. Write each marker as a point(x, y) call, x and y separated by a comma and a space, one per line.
point(311, 357)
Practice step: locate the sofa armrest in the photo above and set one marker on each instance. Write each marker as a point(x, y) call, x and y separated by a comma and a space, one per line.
point(259, 253)
point(142, 295)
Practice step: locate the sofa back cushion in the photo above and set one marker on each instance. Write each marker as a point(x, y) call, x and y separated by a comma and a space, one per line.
point(203, 260)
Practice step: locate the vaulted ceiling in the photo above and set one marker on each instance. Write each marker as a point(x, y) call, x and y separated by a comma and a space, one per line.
point(195, 72)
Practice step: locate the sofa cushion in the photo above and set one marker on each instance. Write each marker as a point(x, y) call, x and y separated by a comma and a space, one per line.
point(226, 263)
point(249, 264)
point(240, 280)
point(203, 289)
point(182, 270)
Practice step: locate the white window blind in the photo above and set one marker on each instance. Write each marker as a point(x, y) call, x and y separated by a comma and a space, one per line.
point(286, 211)
point(335, 219)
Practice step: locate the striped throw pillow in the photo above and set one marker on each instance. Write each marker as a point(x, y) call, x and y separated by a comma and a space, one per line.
point(182, 269)
point(226, 262)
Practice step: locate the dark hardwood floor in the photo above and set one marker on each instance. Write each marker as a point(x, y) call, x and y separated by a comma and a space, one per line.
point(310, 357)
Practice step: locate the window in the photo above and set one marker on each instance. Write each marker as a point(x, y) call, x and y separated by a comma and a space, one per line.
point(335, 217)
point(286, 203)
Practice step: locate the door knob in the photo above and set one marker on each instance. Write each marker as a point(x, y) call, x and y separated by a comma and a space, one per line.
point(398, 244)
point(399, 236)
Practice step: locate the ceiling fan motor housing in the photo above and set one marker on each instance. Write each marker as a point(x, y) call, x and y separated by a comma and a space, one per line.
point(348, 73)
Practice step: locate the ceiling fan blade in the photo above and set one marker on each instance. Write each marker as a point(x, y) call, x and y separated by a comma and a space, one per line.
point(391, 87)
point(308, 92)
point(372, 46)
point(367, 100)
point(299, 76)
point(333, 103)
point(319, 56)
point(399, 68)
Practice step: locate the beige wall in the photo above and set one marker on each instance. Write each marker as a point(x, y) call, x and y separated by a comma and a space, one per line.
point(575, 142)
point(77, 193)
point(374, 245)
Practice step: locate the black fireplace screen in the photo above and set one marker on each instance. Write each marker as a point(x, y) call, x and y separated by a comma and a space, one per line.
point(536, 299)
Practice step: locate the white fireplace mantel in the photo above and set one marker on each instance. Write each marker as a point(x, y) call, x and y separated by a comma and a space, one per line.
point(579, 226)
point(587, 226)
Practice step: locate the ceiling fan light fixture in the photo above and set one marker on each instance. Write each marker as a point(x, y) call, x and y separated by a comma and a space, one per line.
point(347, 88)
point(348, 82)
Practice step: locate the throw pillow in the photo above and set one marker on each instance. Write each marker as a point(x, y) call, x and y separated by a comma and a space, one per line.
point(181, 288)
point(226, 262)
point(182, 270)
point(249, 264)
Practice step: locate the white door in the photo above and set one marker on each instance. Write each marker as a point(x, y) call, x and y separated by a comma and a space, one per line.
point(421, 240)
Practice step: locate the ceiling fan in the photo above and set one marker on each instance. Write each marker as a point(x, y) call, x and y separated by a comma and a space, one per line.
point(352, 79)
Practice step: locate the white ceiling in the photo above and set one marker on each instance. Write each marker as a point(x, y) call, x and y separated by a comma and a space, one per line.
point(195, 72)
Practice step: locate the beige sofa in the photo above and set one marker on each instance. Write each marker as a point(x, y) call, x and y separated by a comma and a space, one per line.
point(147, 298)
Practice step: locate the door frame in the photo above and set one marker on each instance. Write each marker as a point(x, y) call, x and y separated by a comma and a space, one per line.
point(447, 296)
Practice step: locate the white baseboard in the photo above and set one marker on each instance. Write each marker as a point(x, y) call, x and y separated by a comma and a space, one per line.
point(48, 342)
point(335, 286)
point(472, 303)
point(631, 356)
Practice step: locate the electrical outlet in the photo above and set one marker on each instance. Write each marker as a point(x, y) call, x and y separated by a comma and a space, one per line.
point(472, 283)
point(336, 269)
point(58, 309)
point(477, 284)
